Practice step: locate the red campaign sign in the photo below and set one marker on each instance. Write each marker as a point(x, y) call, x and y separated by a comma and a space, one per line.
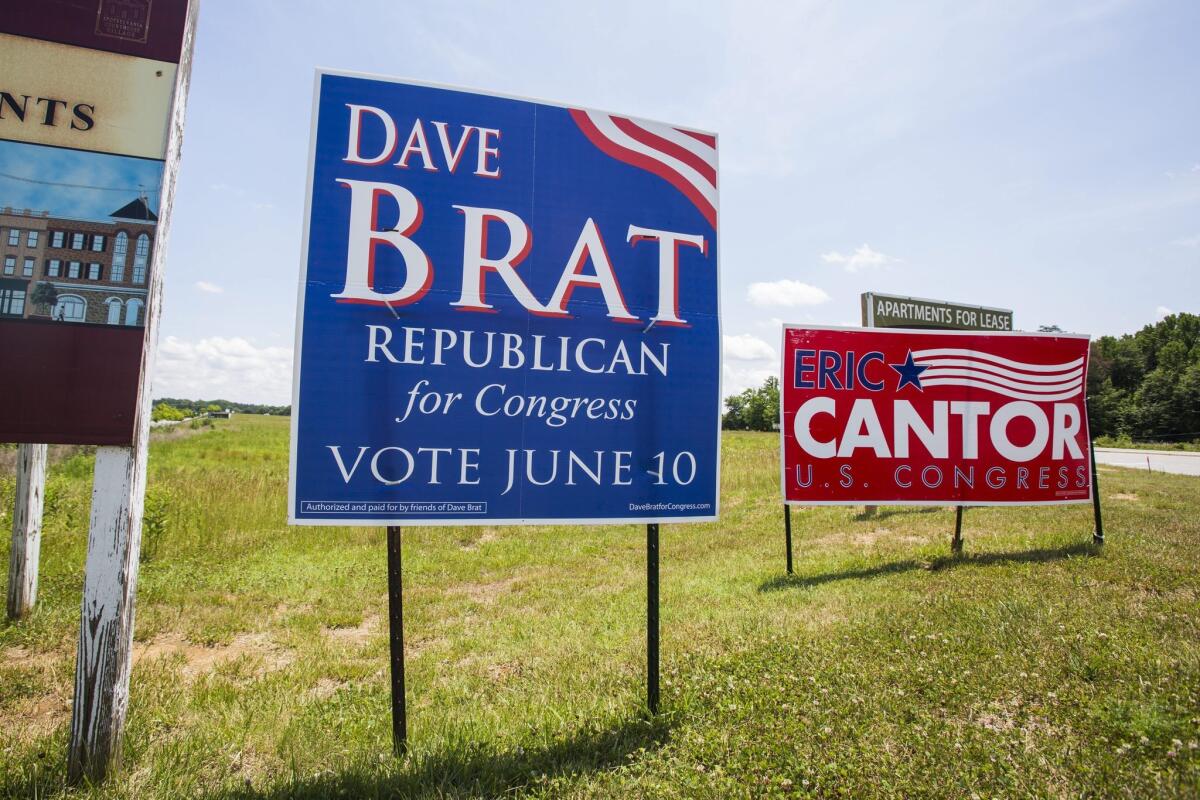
point(912, 417)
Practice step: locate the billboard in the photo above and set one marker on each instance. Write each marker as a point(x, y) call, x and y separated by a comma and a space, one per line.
point(508, 313)
point(85, 103)
point(917, 417)
point(896, 311)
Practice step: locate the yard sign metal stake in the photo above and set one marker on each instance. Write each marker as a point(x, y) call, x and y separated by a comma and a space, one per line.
point(396, 637)
point(1098, 531)
point(26, 530)
point(652, 617)
point(787, 534)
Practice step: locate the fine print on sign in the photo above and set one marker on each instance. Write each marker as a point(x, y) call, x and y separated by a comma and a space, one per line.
point(921, 417)
point(86, 92)
point(508, 312)
point(892, 311)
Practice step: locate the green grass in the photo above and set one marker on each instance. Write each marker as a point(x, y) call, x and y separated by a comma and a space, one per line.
point(1130, 444)
point(1035, 666)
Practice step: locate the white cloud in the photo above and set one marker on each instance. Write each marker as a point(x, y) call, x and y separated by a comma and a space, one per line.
point(211, 288)
point(1188, 241)
point(769, 324)
point(785, 293)
point(1163, 311)
point(862, 258)
point(735, 378)
point(231, 369)
point(745, 347)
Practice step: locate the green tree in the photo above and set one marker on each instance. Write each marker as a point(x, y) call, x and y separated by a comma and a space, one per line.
point(44, 296)
point(163, 411)
point(753, 409)
point(1146, 385)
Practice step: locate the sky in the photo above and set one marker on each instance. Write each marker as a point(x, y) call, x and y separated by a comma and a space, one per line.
point(1040, 157)
point(72, 183)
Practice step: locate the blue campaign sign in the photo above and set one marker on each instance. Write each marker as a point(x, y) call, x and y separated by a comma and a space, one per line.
point(508, 313)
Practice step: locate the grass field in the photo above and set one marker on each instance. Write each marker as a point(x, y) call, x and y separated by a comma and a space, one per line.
point(1035, 666)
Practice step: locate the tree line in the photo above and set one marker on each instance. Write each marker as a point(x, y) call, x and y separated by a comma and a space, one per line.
point(174, 408)
point(1146, 385)
point(1142, 386)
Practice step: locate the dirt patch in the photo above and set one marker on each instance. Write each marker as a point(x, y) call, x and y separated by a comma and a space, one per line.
point(869, 538)
point(325, 689)
point(1124, 496)
point(353, 637)
point(20, 657)
point(498, 673)
point(488, 535)
point(486, 593)
point(199, 660)
point(995, 722)
point(38, 716)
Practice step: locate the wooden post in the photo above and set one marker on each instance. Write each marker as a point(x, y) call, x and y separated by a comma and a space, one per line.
point(26, 530)
point(115, 527)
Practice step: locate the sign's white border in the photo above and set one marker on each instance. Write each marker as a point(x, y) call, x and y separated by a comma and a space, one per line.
point(319, 73)
point(787, 326)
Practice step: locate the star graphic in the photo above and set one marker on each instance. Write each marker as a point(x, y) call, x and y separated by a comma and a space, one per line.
point(909, 373)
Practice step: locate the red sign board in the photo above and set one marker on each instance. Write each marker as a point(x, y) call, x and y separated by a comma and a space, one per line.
point(908, 417)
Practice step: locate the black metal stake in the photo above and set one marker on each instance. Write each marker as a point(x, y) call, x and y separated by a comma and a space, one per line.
point(787, 533)
point(956, 542)
point(652, 617)
point(1098, 531)
point(396, 631)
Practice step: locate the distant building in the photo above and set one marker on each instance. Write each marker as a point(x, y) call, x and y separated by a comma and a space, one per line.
point(22, 243)
point(100, 269)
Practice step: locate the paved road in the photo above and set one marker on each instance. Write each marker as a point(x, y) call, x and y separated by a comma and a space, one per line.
point(1159, 460)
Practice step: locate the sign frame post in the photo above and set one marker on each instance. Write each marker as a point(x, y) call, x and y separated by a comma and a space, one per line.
point(787, 535)
point(572, 442)
point(841, 455)
point(918, 312)
point(104, 657)
point(652, 617)
point(1098, 530)
point(24, 556)
point(396, 639)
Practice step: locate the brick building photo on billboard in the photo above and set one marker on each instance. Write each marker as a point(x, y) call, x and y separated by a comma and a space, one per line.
point(73, 270)
point(72, 253)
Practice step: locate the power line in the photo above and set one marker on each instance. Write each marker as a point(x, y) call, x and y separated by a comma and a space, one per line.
point(73, 185)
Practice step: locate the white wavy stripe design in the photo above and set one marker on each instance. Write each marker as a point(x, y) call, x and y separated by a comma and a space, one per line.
point(1044, 398)
point(1001, 371)
point(610, 131)
point(690, 143)
point(1006, 362)
point(940, 372)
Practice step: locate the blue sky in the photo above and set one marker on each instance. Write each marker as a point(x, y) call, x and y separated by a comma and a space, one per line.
point(1043, 157)
point(32, 177)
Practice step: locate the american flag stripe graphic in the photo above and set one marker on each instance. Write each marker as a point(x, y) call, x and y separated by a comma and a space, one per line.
point(1016, 379)
point(686, 159)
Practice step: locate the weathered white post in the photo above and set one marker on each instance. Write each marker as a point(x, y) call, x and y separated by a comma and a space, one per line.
point(26, 530)
point(103, 662)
